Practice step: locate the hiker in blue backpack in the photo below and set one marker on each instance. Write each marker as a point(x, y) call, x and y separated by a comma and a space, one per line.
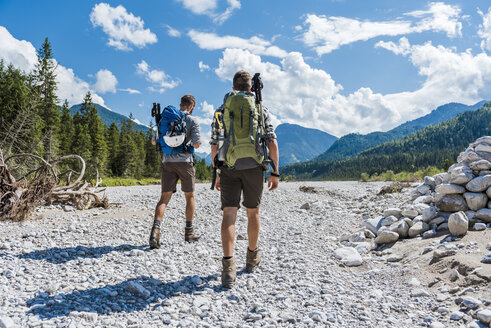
point(178, 137)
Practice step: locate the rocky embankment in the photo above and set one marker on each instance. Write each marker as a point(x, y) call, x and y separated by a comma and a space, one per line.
point(67, 268)
point(455, 207)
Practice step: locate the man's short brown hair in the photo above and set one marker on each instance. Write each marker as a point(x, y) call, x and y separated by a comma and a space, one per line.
point(242, 81)
point(188, 101)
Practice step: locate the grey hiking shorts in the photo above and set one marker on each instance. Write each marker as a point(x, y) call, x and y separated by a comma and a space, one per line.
point(235, 182)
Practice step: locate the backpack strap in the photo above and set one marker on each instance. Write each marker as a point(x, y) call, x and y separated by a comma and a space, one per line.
point(251, 126)
point(231, 129)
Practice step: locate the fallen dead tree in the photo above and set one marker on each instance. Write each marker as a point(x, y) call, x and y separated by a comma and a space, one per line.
point(41, 184)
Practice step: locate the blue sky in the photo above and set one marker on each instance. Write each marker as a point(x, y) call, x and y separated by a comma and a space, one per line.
point(338, 66)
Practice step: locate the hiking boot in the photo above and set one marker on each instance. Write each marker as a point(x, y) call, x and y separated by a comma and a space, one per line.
point(154, 238)
point(229, 273)
point(252, 260)
point(189, 235)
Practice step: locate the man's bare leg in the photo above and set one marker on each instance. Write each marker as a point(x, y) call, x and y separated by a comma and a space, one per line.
point(252, 258)
point(190, 205)
point(252, 227)
point(228, 230)
point(159, 214)
point(229, 270)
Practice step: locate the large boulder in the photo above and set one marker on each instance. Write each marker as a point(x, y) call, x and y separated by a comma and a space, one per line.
point(417, 228)
point(479, 184)
point(373, 224)
point(387, 237)
point(441, 178)
point(468, 156)
point(401, 227)
point(429, 214)
point(481, 165)
point(393, 211)
point(488, 192)
point(449, 188)
point(485, 140)
point(452, 203)
point(458, 224)
point(484, 214)
point(410, 212)
point(476, 201)
point(483, 147)
point(460, 174)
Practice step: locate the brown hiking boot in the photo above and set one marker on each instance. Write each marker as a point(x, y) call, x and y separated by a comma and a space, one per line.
point(229, 273)
point(154, 238)
point(189, 235)
point(252, 260)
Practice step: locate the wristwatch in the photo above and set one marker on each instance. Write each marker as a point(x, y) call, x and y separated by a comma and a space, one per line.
point(275, 175)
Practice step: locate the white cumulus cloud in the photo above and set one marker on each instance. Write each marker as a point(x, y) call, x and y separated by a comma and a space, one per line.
point(123, 29)
point(297, 93)
point(22, 55)
point(106, 81)
point(159, 79)
point(326, 34)
point(210, 7)
point(485, 30)
point(258, 46)
point(203, 67)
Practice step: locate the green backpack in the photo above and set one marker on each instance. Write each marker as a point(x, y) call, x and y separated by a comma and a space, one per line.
point(241, 120)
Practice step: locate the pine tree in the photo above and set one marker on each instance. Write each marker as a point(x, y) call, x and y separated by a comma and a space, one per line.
point(81, 139)
point(95, 126)
point(112, 141)
point(66, 130)
point(44, 76)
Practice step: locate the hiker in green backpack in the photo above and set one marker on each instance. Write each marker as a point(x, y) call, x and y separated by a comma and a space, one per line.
point(239, 129)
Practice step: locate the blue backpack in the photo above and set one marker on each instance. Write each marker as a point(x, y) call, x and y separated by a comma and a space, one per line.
point(171, 132)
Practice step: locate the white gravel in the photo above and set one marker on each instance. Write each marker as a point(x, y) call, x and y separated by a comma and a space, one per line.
point(93, 268)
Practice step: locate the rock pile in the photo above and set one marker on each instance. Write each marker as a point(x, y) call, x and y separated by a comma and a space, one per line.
point(447, 202)
point(451, 201)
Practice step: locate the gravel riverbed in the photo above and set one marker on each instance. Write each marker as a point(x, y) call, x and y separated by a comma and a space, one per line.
point(67, 268)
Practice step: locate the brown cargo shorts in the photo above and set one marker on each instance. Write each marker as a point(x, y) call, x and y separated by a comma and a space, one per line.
point(234, 182)
point(174, 171)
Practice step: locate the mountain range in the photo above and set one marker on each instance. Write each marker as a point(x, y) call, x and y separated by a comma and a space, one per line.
point(352, 144)
point(108, 116)
point(436, 145)
point(298, 144)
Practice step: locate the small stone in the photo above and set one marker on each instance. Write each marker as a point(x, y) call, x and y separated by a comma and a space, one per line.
point(454, 275)
point(488, 246)
point(437, 324)
point(372, 224)
point(457, 315)
point(305, 206)
point(413, 282)
point(137, 289)
point(486, 259)
point(389, 220)
point(479, 226)
point(395, 258)
point(349, 256)
point(484, 316)
point(471, 302)
point(410, 213)
point(444, 251)
point(419, 293)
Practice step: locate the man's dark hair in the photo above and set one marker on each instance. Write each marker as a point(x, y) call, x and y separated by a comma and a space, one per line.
point(187, 101)
point(242, 81)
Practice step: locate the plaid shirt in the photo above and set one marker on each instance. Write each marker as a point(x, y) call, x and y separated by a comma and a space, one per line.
point(215, 127)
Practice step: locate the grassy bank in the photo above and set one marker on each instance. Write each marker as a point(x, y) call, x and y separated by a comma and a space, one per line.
point(403, 176)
